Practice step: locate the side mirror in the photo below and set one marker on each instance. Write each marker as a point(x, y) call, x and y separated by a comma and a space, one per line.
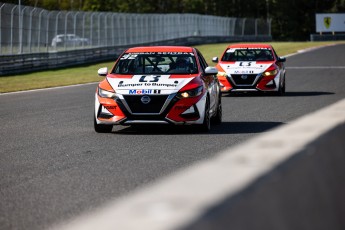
point(215, 59)
point(211, 70)
point(103, 72)
point(282, 59)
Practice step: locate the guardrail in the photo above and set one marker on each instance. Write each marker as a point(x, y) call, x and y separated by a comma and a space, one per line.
point(23, 63)
point(327, 37)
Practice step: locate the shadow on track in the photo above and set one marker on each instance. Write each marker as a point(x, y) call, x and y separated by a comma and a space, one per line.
point(267, 94)
point(223, 128)
point(244, 127)
point(306, 94)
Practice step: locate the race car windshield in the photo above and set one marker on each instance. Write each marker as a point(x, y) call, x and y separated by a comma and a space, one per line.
point(248, 55)
point(156, 63)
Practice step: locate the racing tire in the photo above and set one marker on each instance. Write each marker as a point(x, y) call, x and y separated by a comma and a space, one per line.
point(217, 119)
point(100, 128)
point(206, 125)
point(281, 90)
point(283, 87)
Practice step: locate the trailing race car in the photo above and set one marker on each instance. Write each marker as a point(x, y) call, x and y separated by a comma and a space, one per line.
point(251, 67)
point(158, 85)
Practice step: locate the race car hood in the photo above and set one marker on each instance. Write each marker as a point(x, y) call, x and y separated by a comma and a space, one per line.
point(150, 84)
point(245, 67)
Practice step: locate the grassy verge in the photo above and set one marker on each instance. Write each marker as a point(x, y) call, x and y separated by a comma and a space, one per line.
point(86, 74)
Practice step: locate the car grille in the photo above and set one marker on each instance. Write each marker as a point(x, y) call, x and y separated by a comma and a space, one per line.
point(137, 106)
point(244, 79)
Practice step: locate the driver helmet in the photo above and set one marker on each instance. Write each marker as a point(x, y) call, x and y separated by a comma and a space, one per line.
point(182, 62)
point(250, 55)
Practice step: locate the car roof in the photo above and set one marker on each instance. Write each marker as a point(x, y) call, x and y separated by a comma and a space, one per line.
point(61, 35)
point(250, 45)
point(160, 49)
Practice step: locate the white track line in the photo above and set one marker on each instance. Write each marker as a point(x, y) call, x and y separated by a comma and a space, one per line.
point(51, 88)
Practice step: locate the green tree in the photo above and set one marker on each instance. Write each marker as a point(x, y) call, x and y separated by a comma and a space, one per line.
point(295, 19)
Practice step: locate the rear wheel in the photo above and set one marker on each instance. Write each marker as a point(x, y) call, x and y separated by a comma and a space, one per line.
point(100, 128)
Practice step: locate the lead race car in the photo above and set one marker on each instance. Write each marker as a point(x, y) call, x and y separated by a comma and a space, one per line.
point(250, 68)
point(158, 85)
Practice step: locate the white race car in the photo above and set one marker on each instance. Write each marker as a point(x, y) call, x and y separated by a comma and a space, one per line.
point(158, 85)
point(251, 67)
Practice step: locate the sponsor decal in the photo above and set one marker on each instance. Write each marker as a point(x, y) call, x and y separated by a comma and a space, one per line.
point(162, 84)
point(110, 107)
point(144, 91)
point(249, 64)
point(245, 64)
point(151, 79)
point(128, 56)
point(168, 85)
point(242, 67)
point(150, 53)
point(232, 50)
point(327, 21)
point(121, 84)
point(244, 71)
point(148, 81)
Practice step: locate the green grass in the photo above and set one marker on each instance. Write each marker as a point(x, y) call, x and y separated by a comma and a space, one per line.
point(88, 73)
point(52, 78)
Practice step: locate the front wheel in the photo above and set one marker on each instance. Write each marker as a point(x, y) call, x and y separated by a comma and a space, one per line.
point(206, 125)
point(281, 89)
point(100, 128)
point(217, 119)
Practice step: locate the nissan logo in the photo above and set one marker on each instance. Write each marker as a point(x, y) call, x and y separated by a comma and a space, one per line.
point(244, 77)
point(145, 99)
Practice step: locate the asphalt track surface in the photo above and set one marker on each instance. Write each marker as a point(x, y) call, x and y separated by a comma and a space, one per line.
point(54, 166)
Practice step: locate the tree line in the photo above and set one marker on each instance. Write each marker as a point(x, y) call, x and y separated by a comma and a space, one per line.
point(292, 20)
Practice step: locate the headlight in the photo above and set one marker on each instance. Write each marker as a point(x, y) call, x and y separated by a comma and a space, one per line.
point(222, 74)
point(270, 73)
point(105, 93)
point(190, 93)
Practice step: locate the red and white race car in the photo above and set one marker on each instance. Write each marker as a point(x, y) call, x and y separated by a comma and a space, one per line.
point(158, 85)
point(251, 67)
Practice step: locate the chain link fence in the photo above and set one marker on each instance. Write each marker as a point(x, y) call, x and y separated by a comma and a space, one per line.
point(25, 29)
point(33, 39)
